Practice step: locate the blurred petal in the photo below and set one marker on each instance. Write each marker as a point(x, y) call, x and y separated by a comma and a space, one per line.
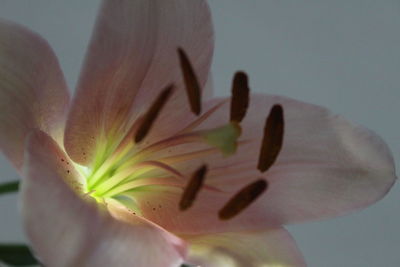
point(273, 247)
point(67, 231)
point(33, 92)
point(131, 58)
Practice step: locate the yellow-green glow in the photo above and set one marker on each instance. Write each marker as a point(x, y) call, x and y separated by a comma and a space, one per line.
point(218, 258)
point(217, 255)
point(118, 171)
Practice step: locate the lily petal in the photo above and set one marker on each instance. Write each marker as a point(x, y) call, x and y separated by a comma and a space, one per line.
point(160, 204)
point(131, 58)
point(65, 230)
point(327, 167)
point(273, 247)
point(33, 92)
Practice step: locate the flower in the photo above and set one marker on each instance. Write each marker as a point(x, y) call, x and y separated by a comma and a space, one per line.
point(141, 169)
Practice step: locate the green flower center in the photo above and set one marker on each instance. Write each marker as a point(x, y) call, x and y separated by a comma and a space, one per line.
point(122, 167)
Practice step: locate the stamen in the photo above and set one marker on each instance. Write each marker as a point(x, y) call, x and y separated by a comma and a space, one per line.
point(240, 96)
point(224, 137)
point(191, 83)
point(273, 138)
point(135, 184)
point(203, 117)
point(195, 154)
point(192, 137)
point(242, 199)
point(152, 114)
point(127, 139)
point(190, 155)
point(134, 172)
point(88, 193)
point(193, 187)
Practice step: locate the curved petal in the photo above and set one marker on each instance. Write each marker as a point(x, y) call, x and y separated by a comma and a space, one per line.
point(67, 231)
point(131, 58)
point(273, 247)
point(160, 204)
point(327, 167)
point(176, 113)
point(33, 92)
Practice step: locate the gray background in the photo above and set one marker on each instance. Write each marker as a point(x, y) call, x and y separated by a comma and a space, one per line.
point(343, 54)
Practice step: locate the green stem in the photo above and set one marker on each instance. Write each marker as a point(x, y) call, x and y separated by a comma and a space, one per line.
point(16, 255)
point(9, 187)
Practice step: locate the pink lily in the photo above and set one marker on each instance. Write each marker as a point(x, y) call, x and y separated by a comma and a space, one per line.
point(131, 173)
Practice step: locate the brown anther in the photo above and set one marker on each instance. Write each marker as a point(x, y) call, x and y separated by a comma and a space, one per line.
point(152, 114)
point(192, 188)
point(242, 199)
point(273, 138)
point(240, 96)
point(193, 89)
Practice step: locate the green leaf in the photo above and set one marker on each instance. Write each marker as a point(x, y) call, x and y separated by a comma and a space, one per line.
point(16, 255)
point(9, 187)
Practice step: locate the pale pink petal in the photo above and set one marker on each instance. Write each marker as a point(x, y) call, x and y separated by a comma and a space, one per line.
point(327, 167)
point(177, 114)
point(131, 58)
point(33, 92)
point(208, 90)
point(160, 204)
point(273, 247)
point(65, 230)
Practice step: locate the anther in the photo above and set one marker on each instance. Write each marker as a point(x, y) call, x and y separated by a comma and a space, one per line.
point(152, 114)
point(191, 83)
point(242, 199)
point(192, 188)
point(240, 96)
point(273, 138)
